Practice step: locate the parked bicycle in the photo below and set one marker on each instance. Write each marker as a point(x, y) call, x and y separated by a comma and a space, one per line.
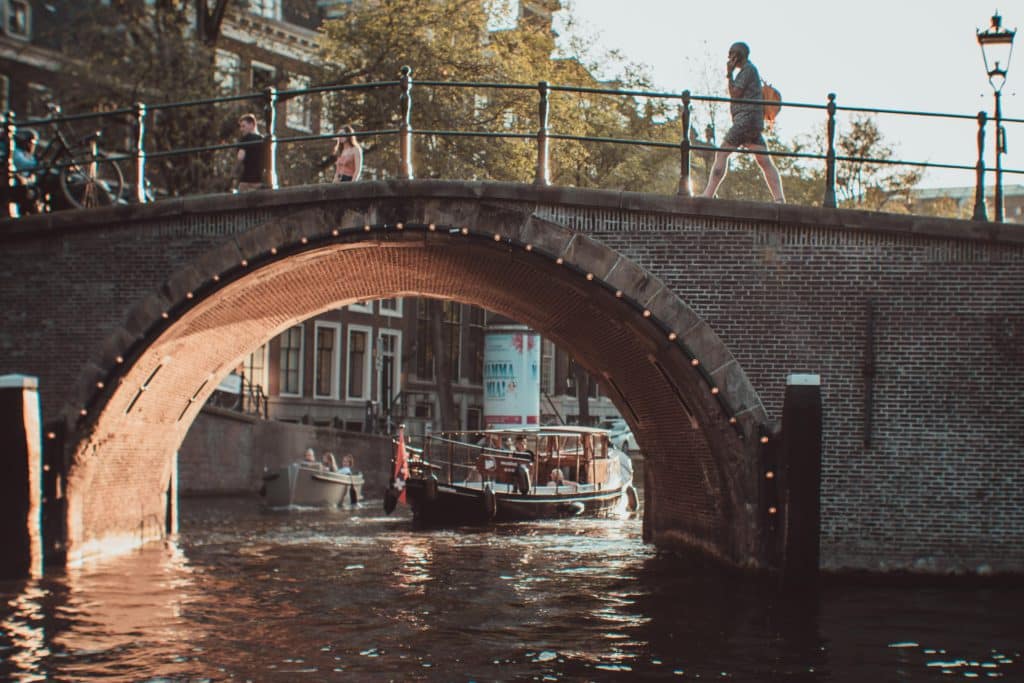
point(69, 174)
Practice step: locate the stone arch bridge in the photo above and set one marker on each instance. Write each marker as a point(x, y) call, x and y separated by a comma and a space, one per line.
point(693, 312)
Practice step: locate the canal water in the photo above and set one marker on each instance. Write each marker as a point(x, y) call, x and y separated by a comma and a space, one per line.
point(251, 595)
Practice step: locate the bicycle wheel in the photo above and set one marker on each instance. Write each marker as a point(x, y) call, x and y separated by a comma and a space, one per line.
point(97, 182)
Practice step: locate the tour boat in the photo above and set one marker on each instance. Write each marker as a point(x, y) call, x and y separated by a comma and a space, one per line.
point(473, 477)
point(310, 485)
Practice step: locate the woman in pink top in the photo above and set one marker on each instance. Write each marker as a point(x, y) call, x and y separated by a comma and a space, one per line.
point(349, 162)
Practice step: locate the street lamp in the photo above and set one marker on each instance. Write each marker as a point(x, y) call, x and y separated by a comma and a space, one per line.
point(996, 49)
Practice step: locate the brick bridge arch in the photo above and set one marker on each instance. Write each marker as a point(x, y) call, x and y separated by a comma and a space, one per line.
point(690, 403)
point(913, 323)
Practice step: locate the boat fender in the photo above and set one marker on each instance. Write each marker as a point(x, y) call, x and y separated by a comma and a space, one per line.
point(573, 509)
point(430, 488)
point(632, 499)
point(353, 497)
point(490, 502)
point(522, 479)
point(390, 499)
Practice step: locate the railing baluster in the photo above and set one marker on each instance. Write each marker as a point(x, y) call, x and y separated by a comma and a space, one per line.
point(140, 152)
point(405, 171)
point(543, 175)
point(270, 119)
point(685, 183)
point(980, 214)
point(829, 201)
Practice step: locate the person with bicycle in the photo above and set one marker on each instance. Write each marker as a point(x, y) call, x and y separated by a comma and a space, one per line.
point(249, 167)
point(25, 161)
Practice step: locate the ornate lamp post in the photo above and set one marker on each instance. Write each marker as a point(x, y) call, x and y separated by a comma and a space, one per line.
point(996, 49)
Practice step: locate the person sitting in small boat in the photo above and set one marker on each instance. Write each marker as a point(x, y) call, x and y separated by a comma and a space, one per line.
point(558, 479)
point(328, 462)
point(520, 450)
point(309, 458)
point(348, 464)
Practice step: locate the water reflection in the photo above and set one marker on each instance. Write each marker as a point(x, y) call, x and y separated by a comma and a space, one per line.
point(316, 595)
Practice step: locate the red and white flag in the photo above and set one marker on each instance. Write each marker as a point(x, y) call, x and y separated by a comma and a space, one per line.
point(401, 464)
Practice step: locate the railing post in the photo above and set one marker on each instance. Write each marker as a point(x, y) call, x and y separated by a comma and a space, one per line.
point(405, 171)
point(829, 201)
point(1000, 148)
point(270, 148)
point(140, 152)
point(980, 213)
point(543, 175)
point(7, 171)
point(685, 184)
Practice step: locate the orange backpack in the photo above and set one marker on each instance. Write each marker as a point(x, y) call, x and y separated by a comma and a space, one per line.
point(772, 104)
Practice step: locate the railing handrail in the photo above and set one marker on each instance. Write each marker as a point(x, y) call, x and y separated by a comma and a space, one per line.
point(405, 131)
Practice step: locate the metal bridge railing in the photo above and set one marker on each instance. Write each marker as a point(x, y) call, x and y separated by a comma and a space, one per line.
point(138, 116)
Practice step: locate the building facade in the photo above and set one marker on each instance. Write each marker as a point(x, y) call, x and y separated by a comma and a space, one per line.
point(370, 366)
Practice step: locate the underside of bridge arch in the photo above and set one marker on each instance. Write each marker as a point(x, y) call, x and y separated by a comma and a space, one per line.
point(695, 427)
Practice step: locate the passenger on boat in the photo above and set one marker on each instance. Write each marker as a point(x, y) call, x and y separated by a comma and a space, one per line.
point(309, 457)
point(520, 450)
point(558, 479)
point(347, 464)
point(328, 462)
point(492, 441)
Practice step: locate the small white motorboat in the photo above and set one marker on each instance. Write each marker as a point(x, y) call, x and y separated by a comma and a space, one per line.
point(312, 486)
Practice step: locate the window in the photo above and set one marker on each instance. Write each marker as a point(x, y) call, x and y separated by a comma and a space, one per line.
point(227, 67)
point(547, 367)
point(362, 307)
point(389, 367)
point(291, 361)
point(262, 76)
point(424, 341)
point(451, 317)
point(476, 344)
point(325, 365)
point(269, 9)
point(255, 369)
point(474, 418)
point(391, 307)
point(358, 367)
point(300, 114)
point(18, 19)
point(453, 335)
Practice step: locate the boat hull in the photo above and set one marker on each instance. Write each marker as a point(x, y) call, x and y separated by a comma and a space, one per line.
point(474, 503)
point(309, 487)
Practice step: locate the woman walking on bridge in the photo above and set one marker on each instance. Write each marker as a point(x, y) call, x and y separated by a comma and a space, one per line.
point(348, 164)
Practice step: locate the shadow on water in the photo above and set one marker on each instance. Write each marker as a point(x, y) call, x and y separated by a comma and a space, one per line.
point(312, 595)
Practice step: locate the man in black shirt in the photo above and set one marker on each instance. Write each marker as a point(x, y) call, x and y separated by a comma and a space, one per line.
point(249, 168)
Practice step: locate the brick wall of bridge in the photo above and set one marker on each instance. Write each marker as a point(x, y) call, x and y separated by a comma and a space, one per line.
point(934, 480)
point(936, 487)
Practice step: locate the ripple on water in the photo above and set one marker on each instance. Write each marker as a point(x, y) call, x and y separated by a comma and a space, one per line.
point(310, 595)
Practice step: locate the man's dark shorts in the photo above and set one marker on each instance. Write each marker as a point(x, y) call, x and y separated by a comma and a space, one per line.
point(745, 131)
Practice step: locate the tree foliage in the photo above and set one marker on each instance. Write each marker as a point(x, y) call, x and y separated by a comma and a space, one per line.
point(868, 182)
point(130, 51)
point(445, 40)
